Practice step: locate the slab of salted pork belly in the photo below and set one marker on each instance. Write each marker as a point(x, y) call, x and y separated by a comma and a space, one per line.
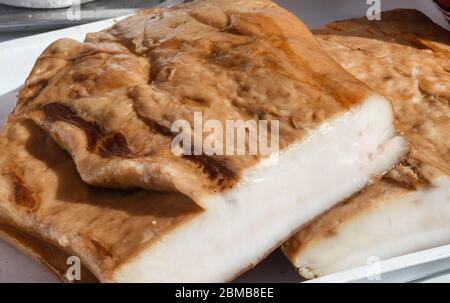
point(406, 58)
point(111, 101)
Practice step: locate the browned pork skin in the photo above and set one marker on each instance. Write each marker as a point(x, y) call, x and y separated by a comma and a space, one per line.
point(110, 103)
point(406, 58)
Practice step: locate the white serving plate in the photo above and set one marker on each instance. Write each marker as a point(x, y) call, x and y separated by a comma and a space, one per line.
point(18, 56)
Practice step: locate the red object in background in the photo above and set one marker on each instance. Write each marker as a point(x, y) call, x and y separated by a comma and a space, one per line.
point(444, 3)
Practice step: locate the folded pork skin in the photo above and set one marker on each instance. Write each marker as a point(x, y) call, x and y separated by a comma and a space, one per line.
point(405, 57)
point(110, 103)
point(52, 257)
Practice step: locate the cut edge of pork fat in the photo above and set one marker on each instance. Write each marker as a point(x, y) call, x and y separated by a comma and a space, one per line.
point(242, 226)
point(408, 209)
point(335, 161)
point(398, 224)
point(351, 142)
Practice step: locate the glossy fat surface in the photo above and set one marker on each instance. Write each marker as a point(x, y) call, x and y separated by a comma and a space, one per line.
point(111, 100)
point(406, 58)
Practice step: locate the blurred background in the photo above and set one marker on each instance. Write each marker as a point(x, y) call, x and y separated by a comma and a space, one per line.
point(19, 18)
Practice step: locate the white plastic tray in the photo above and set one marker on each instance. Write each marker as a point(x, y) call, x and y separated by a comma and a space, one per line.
point(18, 56)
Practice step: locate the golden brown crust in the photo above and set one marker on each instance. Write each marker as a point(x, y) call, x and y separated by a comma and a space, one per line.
point(407, 60)
point(110, 103)
point(105, 228)
point(230, 60)
point(405, 57)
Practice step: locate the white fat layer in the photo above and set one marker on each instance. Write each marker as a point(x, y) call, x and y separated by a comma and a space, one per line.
point(242, 225)
point(397, 226)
